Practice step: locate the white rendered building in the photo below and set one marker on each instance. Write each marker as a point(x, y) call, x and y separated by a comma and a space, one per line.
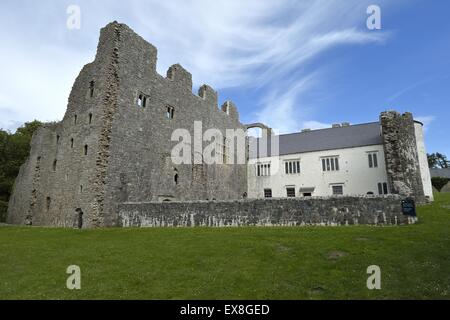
point(342, 160)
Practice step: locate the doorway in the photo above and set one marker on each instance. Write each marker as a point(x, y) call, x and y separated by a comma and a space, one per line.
point(79, 218)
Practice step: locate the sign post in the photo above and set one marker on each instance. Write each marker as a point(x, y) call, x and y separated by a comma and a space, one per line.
point(409, 207)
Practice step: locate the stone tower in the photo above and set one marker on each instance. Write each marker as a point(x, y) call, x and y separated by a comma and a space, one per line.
point(114, 143)
point(403, 164)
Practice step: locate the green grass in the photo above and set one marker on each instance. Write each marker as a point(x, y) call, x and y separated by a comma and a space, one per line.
point(232, 263)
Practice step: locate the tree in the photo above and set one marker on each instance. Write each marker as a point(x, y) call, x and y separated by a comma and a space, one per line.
point(14, 149)
point(439, 182)
point(438, 161)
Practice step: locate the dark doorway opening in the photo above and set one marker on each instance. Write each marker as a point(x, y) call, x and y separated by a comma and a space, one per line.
point(79, 218)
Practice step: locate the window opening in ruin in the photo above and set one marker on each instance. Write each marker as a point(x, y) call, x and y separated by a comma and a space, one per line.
point(86, 150)
point(90, 118)
point(81, 188)
point(71, 142)
point(57, 139)
point(48, 203)
point(224, 150)
point(175, 178)
point(142, 100)
point(91, 88)
point(75, 119)
point(54, 164)
point(170, 112)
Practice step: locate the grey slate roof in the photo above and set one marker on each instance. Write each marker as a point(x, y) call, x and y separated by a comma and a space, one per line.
point(331, 138)
point(444, 173)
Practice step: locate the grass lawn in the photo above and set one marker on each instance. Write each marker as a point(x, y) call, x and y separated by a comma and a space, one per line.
point(232, 263)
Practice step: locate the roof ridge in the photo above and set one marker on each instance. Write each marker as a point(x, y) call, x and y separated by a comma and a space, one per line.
point(315, 130)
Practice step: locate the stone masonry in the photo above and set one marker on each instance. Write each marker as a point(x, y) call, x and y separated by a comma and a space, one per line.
point(108, 162)
point(402, 160)
point(332, 211)
point(108, 149)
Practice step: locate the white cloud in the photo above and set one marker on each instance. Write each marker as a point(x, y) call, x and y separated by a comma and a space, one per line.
point(401, 92)
point(263, 45)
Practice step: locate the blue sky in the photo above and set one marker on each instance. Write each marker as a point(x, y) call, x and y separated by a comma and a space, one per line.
point(290, 64)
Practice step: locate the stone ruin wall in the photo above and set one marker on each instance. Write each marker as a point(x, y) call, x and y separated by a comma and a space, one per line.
point(401, 155)
point(128, 156)
point(334, 211)
point(141, 167)
point(58, 177)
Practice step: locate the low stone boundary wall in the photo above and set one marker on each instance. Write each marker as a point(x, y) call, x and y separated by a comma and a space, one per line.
point(332, 211)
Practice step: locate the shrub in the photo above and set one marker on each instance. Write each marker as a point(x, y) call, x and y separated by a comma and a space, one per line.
point(439, 182)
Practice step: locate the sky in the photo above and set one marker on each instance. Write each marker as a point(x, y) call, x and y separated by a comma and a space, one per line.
point(289, 64)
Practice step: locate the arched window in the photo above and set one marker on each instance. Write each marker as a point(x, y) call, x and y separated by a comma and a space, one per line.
point(142, 100)
point(170, 112)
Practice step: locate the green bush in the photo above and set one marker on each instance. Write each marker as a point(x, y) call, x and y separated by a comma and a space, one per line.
point(439, 182)
point(14, 149)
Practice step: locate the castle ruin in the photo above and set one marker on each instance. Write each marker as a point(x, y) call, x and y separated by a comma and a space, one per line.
point(112, 150)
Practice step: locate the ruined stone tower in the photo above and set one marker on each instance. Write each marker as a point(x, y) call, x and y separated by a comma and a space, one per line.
point(114, 142)
point(406, 169)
